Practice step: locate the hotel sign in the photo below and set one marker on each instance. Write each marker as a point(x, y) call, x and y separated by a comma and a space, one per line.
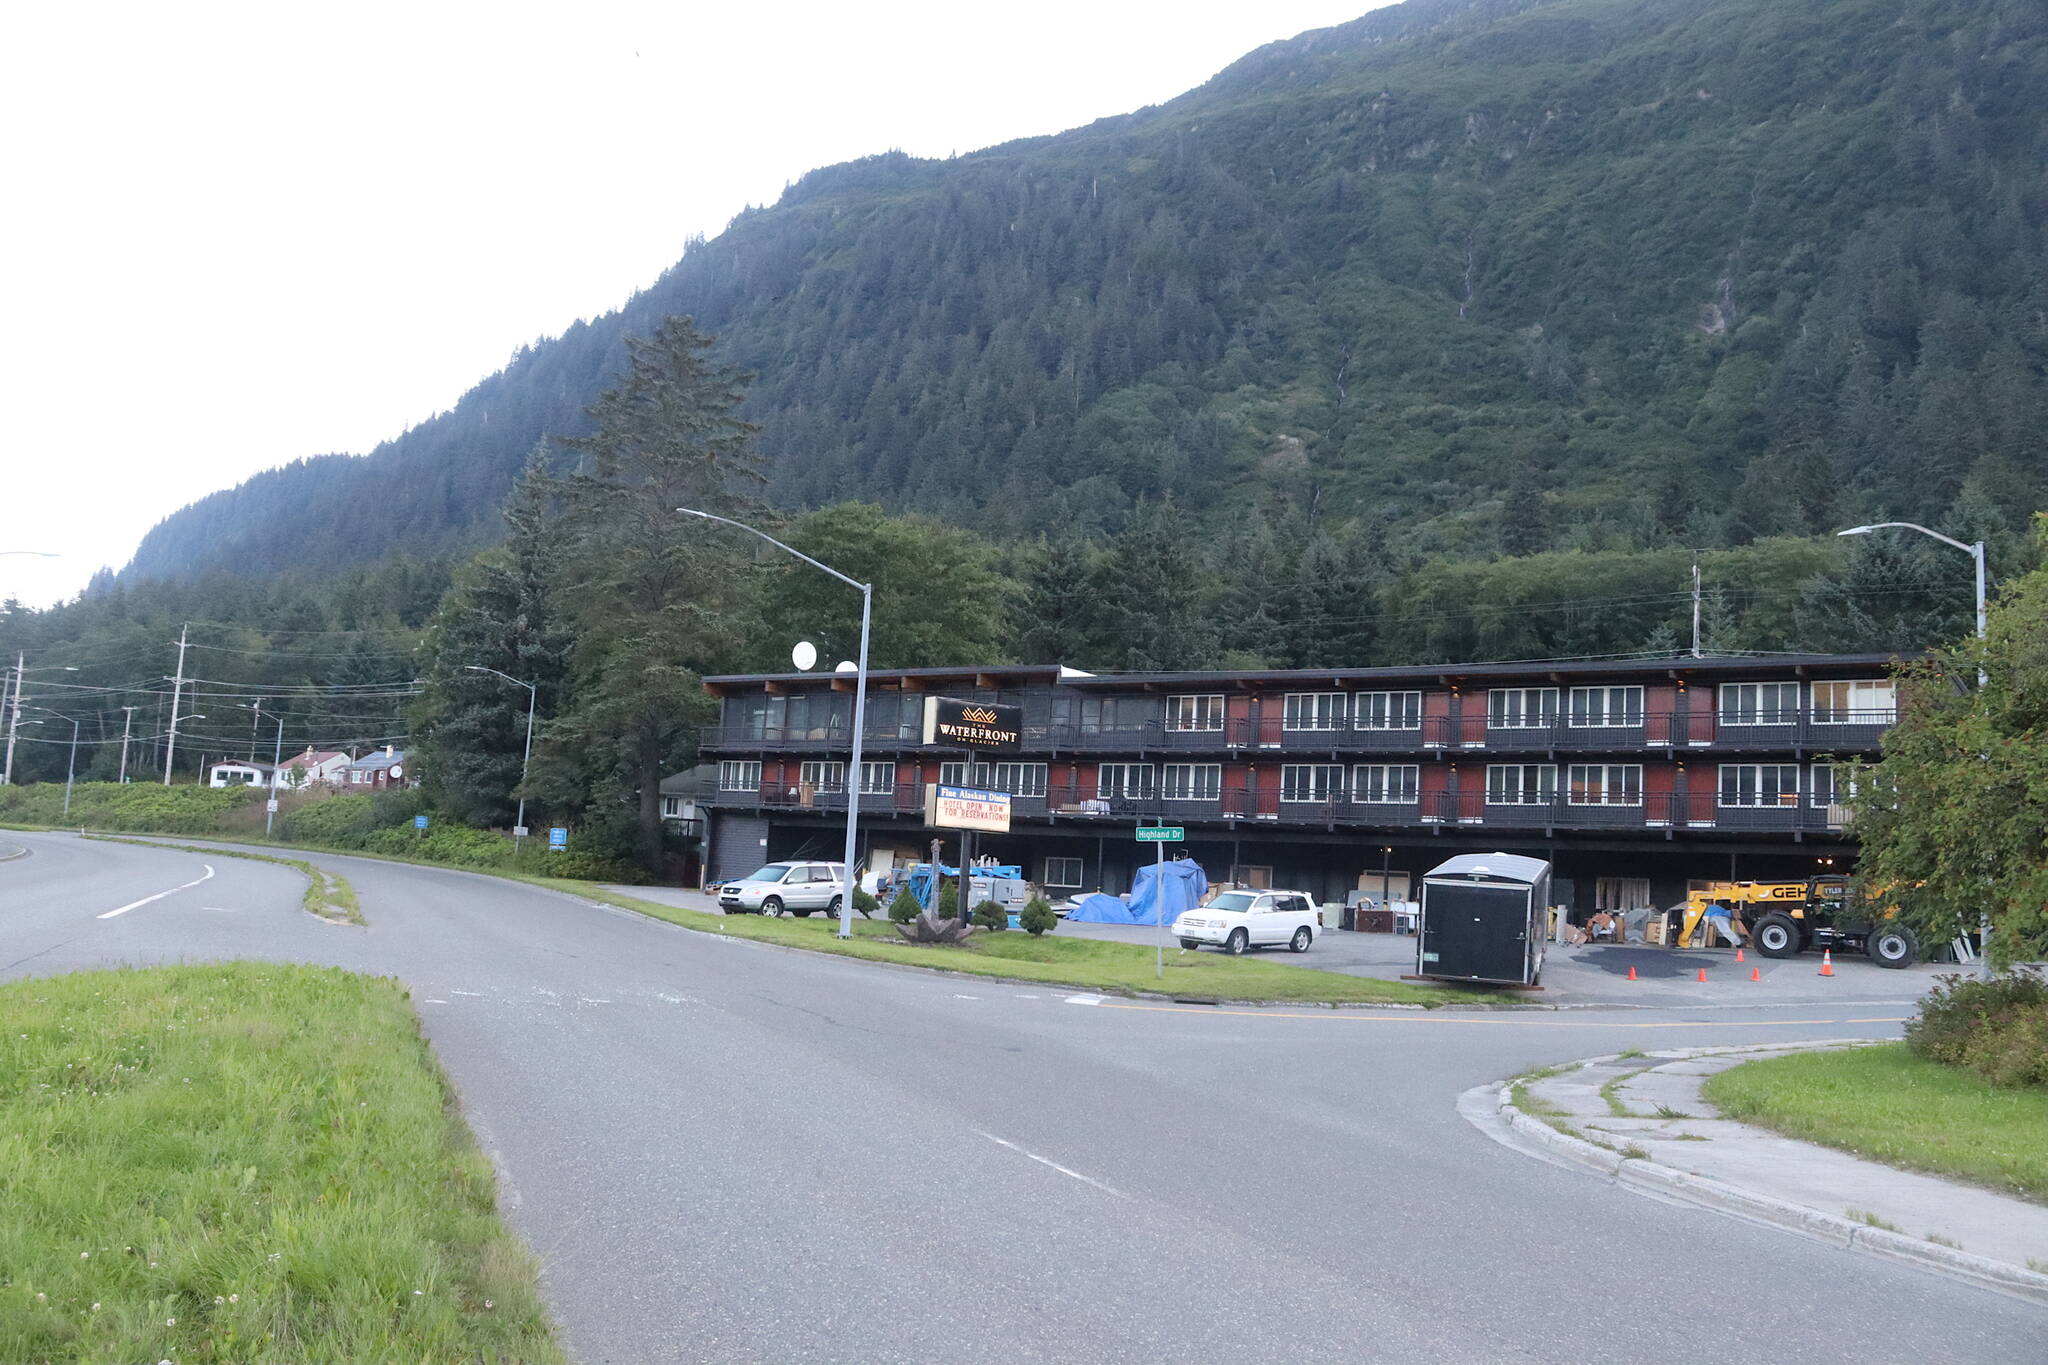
point(966, 808)
point(972, 724)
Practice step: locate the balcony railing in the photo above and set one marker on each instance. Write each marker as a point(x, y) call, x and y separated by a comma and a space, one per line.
point(1238, 805)
point(1813, 729)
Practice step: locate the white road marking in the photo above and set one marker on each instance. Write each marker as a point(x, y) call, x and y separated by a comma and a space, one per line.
point(432, 1001)
point(1084, 1000)
point(1022, 996)
point(137, 905)
point(1047, 1161)
point(588, 1001)
point(474, 994)
point(966, 997)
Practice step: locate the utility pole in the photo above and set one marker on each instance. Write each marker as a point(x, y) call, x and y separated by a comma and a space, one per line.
point(14, 718)
point(127, 720)
point(1695, 607)
point(177, 700)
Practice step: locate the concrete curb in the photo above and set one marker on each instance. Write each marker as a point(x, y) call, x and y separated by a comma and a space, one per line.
point(9, 852)
point(1646, 1176)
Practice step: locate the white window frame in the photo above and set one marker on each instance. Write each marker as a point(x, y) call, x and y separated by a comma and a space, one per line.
point(1329, 776)
point(1752, 711)
point(1065, 873)
point(1872, 701)
point(1018, 779)
point(1386, 711)
point(1721, 789)
point(870, 769)
point(1396, 784)
point(1325, 711)
point(1598, 781)
point(955, 774)
point(1191, 782)
point(823, 774)
point(1583, 714)
point(1503, 791)
point(1828, 785)
point(1123, 781)
point(748, 769)
point(1200, 712)
point(1500, 715)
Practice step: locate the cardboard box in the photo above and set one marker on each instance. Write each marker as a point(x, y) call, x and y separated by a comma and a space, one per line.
point(1654, 932)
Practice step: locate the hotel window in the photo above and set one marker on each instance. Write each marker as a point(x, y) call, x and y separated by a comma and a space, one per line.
point(1191, 781)
point(1621, 893)
point(1063, 872)
point(1521, 708)
point(1311, 782)
point(877, 779)
point(1020, 779)
point(1759, 703)
point(1606, 707)
point(739, 775)
point(1750, 785)
point(1521, 784)
point(1832, 785)
point(1387, 711)
point(1123, 780)
point(1313, 711)
point(1606, 784)
point(823, 777)
point(1386, 783)
point(955, 775)
point(1861, 702)
point(1195, 713)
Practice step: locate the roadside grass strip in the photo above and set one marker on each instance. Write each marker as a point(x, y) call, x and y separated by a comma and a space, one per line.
point(328, 894)
point(1888, 1105)
point(1118, 968)
point(244, 1162)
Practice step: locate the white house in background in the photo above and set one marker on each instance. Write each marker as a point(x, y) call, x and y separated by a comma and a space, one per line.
point(318, 768)
point(237, 772)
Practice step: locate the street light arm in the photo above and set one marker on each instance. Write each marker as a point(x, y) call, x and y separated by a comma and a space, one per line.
point(850, 582)
point(1907, 526)
point(480, 668)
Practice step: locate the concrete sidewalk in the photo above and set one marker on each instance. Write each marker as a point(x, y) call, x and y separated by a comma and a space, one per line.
point(1645, 1121)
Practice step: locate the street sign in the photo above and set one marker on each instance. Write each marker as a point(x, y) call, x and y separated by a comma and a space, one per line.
point(1161, 834)
point(271, 805)
point(558, 837)
point(419, 822)
point(520, 831)
point(967, 808)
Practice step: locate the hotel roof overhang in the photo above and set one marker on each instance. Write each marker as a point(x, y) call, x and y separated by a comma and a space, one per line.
point(1673, 668)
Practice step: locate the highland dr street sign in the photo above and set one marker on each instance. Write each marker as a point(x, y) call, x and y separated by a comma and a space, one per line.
point(1161, 834)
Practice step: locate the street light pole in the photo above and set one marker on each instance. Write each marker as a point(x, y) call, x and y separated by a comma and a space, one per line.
point(532, 697)
point(276, 761)
point(127, 719)
point(860, 707)
point(1975, 551)
point(14, 707)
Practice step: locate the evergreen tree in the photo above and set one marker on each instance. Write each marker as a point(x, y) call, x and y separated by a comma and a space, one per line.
point(1060, 612)
point(1156, 587)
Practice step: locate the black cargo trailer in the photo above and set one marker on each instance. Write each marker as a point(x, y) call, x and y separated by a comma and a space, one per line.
point(1485, 917)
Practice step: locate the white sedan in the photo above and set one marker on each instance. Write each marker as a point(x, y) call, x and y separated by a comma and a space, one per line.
point(1238, 921)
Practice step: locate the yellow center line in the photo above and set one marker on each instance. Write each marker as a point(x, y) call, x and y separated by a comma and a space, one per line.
point(1364, 1018)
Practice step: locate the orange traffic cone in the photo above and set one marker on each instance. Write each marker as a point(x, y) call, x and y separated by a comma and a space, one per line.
point(1631, 973)
point(1703, 973)
point(1738, 953)
point(1827, 962)
point(1756, 974)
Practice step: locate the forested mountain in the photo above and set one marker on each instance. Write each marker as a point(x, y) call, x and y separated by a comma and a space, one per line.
point(1461, 279)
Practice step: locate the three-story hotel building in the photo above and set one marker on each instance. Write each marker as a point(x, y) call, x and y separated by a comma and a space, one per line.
point(1632, 777)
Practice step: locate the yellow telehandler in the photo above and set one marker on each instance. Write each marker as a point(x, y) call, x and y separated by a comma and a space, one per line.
point(1787, 918)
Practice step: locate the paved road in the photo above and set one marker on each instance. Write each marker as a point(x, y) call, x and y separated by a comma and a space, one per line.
point(726, 1151)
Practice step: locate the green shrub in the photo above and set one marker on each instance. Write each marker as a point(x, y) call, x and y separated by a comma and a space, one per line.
point(337, 821)
point(863, 902)
point(992, 917)
point(949, 900)
point(141, 807)
point(903, 909)
point(1038, 917)
point(1997, 1028)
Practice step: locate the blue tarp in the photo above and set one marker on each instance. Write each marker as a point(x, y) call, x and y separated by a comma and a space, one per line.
point(921, 878)
point(1163, 891)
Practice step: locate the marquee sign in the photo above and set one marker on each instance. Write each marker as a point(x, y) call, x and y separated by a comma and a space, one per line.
point(973, 724)
point(966, 808)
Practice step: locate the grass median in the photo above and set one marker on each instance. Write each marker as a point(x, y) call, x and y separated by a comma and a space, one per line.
point(244, 1162)
point(1884, 1103)
point(1092, 964)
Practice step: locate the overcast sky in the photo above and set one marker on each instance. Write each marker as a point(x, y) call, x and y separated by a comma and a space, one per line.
point(241, 234)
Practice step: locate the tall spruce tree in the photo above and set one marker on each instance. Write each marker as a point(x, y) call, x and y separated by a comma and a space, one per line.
point(1156, 585)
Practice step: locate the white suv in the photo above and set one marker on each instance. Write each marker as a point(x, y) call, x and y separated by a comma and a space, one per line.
point(1241, 920)
point(796, 887)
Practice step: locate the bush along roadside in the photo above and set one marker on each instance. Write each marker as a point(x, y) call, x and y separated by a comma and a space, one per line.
point(329, 895)
point(1997, 1029)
